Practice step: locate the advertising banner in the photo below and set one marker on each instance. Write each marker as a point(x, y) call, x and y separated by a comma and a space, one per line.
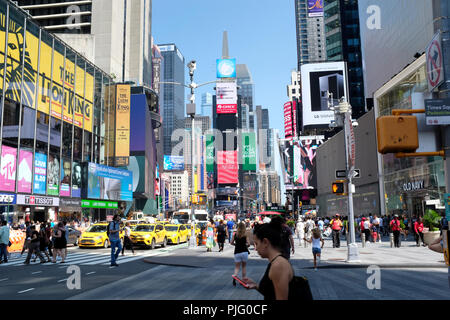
point(98, 204)
point(123, 92)
point(210, 180)
point(318, 81)
point(305, 174)
point(226, 93)
point(226, 68)
point(25, 171)
point(8, 169)
point(53, 175)
point(40, 173)
point(37, 200)
point(249, 151)
point(76, 179)
point(7, 198)
point(66, 174)
point(288, 120)
point(227, 167)
point(209, 153)
point(109, 183)
point(315, 8)
point(173, 163)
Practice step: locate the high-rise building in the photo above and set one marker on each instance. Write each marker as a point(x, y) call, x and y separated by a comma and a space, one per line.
point(114, 34)
point(270, 189)
point(294, 89)
point(246, 91)
point(265, 139)
point(179, 188)
point(344, 44)
point(172, 99)
point(310, 32)
point(206, 106)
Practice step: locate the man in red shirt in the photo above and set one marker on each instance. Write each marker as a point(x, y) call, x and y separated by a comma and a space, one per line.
point(395, 227)
point(418, 231)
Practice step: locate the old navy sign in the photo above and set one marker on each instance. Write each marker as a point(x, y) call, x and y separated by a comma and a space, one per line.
point(7, 198)
point(37, 200)
point(412, 186)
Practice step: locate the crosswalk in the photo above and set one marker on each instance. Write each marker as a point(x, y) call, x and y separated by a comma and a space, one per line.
point(91, 257)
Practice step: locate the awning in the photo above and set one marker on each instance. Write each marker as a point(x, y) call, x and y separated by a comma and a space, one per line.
point(269, 213)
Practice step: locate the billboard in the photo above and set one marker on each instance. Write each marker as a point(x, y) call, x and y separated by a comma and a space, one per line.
point(76, 179)
point(319, 79)
point(288, 121)
point(25, 174)
point(8, 169)
point(249, 151)
point(66, 174)
point(209, 153)
point(315, 8)
point(305, 174)
point(40, 173)
point(226, 68)
point(173, 163)
point(227, 167)
point(53, 175)
point(107, 183)
point(226, 97)
point(123, 93)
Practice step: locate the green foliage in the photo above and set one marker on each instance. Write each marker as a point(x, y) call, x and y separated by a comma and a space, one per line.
point(290, 223)
point(431, 220)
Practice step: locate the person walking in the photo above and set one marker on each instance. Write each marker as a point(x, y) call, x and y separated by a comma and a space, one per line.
point(367, 226)
point(33, 247)
point(418, 231)
point(309, 226)
point(59, 242)
point(336, 226)
point(4, 242)
point(210, 243)
point(230, 227)
point(300, 231)
point(317, 246)
point(114, 239)
point(241, 244)
point(222, 234)
point(48, 231)
point(44, 242)
point(395, 227)
point(127, 239)
point(278, 281)
point(377, 224)
point(66, 229)
point(27, 237)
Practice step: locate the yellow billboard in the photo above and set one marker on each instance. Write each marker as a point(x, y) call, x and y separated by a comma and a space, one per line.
point(123, 104)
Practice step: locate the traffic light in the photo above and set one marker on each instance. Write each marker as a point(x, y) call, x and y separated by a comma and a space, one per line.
point(338, 187)
point(397, 134)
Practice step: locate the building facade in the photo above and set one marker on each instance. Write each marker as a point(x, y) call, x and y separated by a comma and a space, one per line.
point(206, 106)
point(246, 91)
point(179, 188)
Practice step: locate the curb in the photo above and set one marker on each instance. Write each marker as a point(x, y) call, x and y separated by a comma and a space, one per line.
point(172, 264)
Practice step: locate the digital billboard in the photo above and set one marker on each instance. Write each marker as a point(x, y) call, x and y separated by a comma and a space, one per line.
point(315, 8)
point(123, 93)
point(76, 179)
point(226, 97)
point(288, 130)
point(8, 169)
point(40, 173)
point(66, 174)
point(319, 82)
point(305, 175)
point(227, 167)
point(226, 68)
point(53, 175)
point(107, 183)
point(173, 163)
point(25, 174)
point(249, 151)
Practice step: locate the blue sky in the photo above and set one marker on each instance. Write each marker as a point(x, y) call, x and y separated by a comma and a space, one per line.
point(261, 34)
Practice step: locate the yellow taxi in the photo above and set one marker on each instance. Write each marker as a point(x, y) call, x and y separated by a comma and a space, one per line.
point(177, 233)
point(149, 235)
point(197, 229)
point(95, 236)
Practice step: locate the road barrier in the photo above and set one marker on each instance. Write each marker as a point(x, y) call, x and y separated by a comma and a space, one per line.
point(17, 238)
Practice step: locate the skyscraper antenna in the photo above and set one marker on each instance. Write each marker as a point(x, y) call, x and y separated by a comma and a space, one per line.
point(225, 46)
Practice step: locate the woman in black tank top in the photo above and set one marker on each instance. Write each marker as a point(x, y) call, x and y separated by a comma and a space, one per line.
point(277, 282)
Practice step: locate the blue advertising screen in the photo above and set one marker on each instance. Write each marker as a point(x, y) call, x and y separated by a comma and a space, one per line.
point(315, 8)
point(226, 68)
point(40, 173)
point(173, 163)
point(107, 183)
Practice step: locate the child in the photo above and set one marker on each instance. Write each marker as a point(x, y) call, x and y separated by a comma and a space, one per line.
point(316, 239)
point(374, 233)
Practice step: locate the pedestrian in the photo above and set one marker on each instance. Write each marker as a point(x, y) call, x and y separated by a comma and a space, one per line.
point(241, 244)
point(405, 227)
point(336, 226)
point(395, 227)
point(66, 229)
point(278, 281)
point(230, 227)
point(222, 234)
point(309, 226)
point(127, 242)
point(320, 224)
point(44, 241)
point(4, 242)
point(210, 243)
point(48, 231)
point(317, 246)
point(27, 237)
point(114, 239)
point(377, 224)
point(300, 231)
point(33, 247)
point(367, 226)
point(287, 239)
point(381, 225)
point(418, 231)
point(59, 242)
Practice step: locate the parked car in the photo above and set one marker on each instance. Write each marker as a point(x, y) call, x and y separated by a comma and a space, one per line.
point(149, 235)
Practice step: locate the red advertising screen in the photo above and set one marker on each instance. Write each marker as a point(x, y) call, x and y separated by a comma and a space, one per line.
point(226, 108)
point(288, 120)
point(227, 167)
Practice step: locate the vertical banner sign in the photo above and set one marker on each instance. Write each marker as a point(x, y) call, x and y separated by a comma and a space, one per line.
point(288, 120)
point(294, 119)
point(249, 151)
point(25, 171)
point(40, 173)
point(350, 141)
point(209, 153)
point(227, 167)
point(122, 124)
point(226, 93)
point(8, 169)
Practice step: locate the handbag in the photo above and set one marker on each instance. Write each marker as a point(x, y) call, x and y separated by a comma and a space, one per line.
point(301, 288)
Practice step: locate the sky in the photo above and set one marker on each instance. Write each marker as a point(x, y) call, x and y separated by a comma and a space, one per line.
point(261, 34)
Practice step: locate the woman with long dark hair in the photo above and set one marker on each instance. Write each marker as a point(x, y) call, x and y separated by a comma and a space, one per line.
point(241, 252)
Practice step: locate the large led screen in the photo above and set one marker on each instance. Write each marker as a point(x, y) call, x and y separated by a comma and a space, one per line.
point(107, 183)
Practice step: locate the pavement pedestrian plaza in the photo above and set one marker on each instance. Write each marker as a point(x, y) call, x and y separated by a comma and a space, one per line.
point(406, 273)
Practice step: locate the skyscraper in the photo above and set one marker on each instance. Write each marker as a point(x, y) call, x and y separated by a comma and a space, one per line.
point(344, 44)
point(246, 91)
point(206, 107)
point(310, 31)
point(172, 100)
point(265, 139)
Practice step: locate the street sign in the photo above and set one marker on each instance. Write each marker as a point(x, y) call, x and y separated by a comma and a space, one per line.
point(435, 63)
point(437, 111)
point(339, 174)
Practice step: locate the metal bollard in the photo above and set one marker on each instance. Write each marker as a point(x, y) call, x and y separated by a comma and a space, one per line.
point(363, 240)
point(391, 239)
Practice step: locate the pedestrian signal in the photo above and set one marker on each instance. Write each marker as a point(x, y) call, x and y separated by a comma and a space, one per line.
point(338, 187)
point(397, 134)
